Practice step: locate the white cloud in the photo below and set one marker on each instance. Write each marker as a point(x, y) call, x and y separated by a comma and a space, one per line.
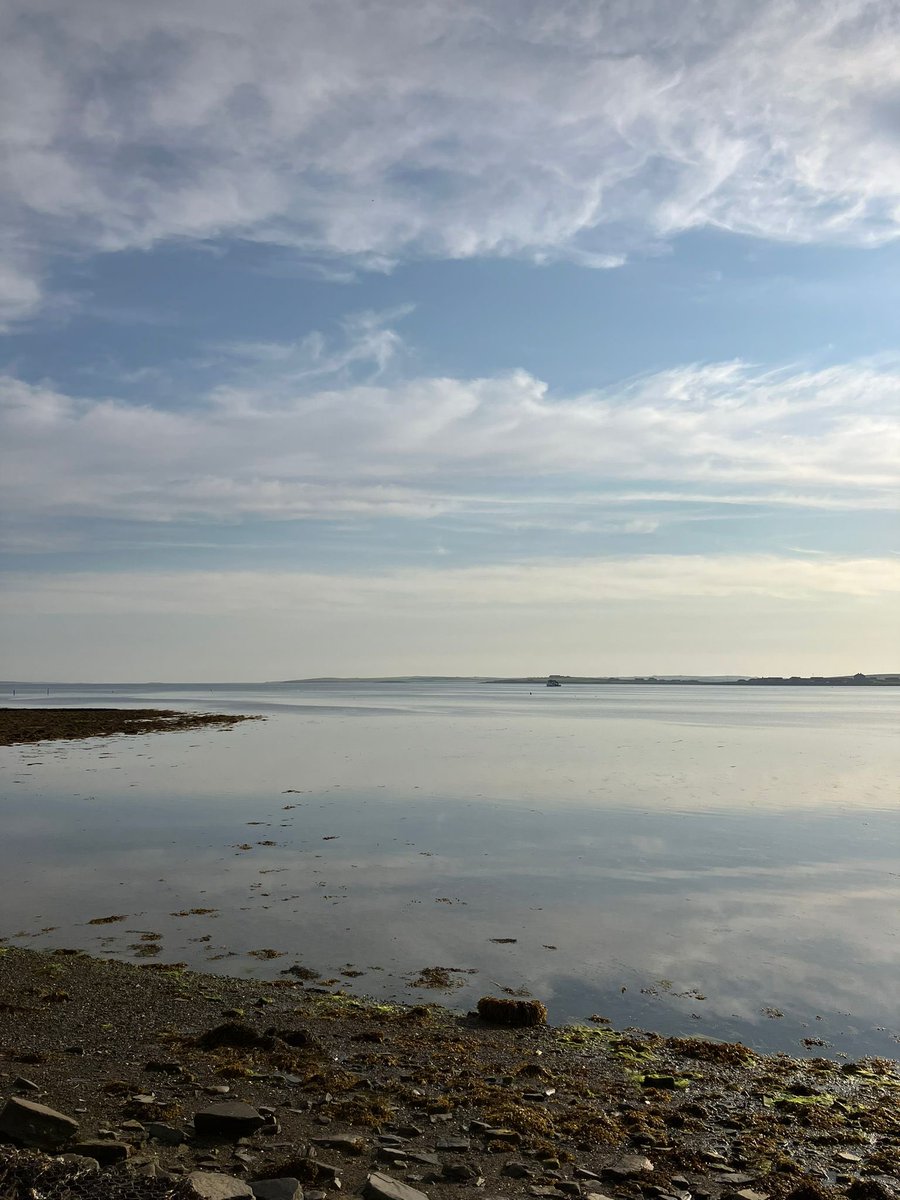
point(292, 436)
point(368, 131)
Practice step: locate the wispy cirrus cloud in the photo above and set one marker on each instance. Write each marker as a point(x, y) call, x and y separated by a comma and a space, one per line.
point(360, 132)
point(313, 431)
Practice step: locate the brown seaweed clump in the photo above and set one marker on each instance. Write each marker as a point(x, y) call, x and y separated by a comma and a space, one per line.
point(235, 1035)
point(515, 1013)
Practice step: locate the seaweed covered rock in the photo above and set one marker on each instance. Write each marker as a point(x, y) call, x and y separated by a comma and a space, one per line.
point(515, 1013)
point(234, 1035)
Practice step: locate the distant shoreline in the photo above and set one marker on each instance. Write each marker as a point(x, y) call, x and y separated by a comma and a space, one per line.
point(874, 679)
point(761, 681)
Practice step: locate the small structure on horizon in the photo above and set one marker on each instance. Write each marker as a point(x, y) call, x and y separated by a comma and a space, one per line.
point(551, 682)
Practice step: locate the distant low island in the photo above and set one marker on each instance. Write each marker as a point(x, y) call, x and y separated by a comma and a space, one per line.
point(858, 680)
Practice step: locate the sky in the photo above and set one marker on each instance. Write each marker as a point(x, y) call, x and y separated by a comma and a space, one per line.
point(364, 337)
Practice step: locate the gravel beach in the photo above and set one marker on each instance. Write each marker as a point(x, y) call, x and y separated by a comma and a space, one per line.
point(167, 1077)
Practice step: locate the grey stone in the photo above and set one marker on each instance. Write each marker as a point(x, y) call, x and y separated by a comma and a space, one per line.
point(105, 1152)
point(212, 1185)
point(81, 1162)
point(424, 1157)
point(165, 1133)
point(584, 1173)
point(570, 1187)
point(460, 1172)
point(457, 1145)
point(21, 1084)
point(404, 1131)
point(277, 1189)
point(627, 1167)
point(501, 1135)
point(349, 1143)
point(379, 1186)
point(36, 1125)
point(230, 1119)
point(517, 1170)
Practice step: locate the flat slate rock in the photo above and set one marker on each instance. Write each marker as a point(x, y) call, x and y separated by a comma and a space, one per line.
point(379, 1186)
point(212, 1185)
point(33, 1124)
point(230, 1119)
point(277, 1189)
point(167, 1134)
point(350, 1143)
point(106, 1151)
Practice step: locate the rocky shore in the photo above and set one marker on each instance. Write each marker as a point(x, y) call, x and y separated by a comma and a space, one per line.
point(128, 1081)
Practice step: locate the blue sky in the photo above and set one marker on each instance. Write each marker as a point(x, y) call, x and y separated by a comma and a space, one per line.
point(366, 338)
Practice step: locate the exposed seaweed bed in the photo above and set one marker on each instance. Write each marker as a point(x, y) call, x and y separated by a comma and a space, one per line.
point(402, 1090)
point(25, 725)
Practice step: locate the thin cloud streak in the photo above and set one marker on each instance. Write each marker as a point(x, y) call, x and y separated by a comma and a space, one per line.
point(554, 585)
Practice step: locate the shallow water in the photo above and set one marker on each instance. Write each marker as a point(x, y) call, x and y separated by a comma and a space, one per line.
point(695, 860)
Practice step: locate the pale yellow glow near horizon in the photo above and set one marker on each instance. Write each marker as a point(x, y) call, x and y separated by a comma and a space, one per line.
point(651, 615)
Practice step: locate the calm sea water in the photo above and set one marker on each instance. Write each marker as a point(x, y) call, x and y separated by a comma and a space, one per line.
point(709, 861)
